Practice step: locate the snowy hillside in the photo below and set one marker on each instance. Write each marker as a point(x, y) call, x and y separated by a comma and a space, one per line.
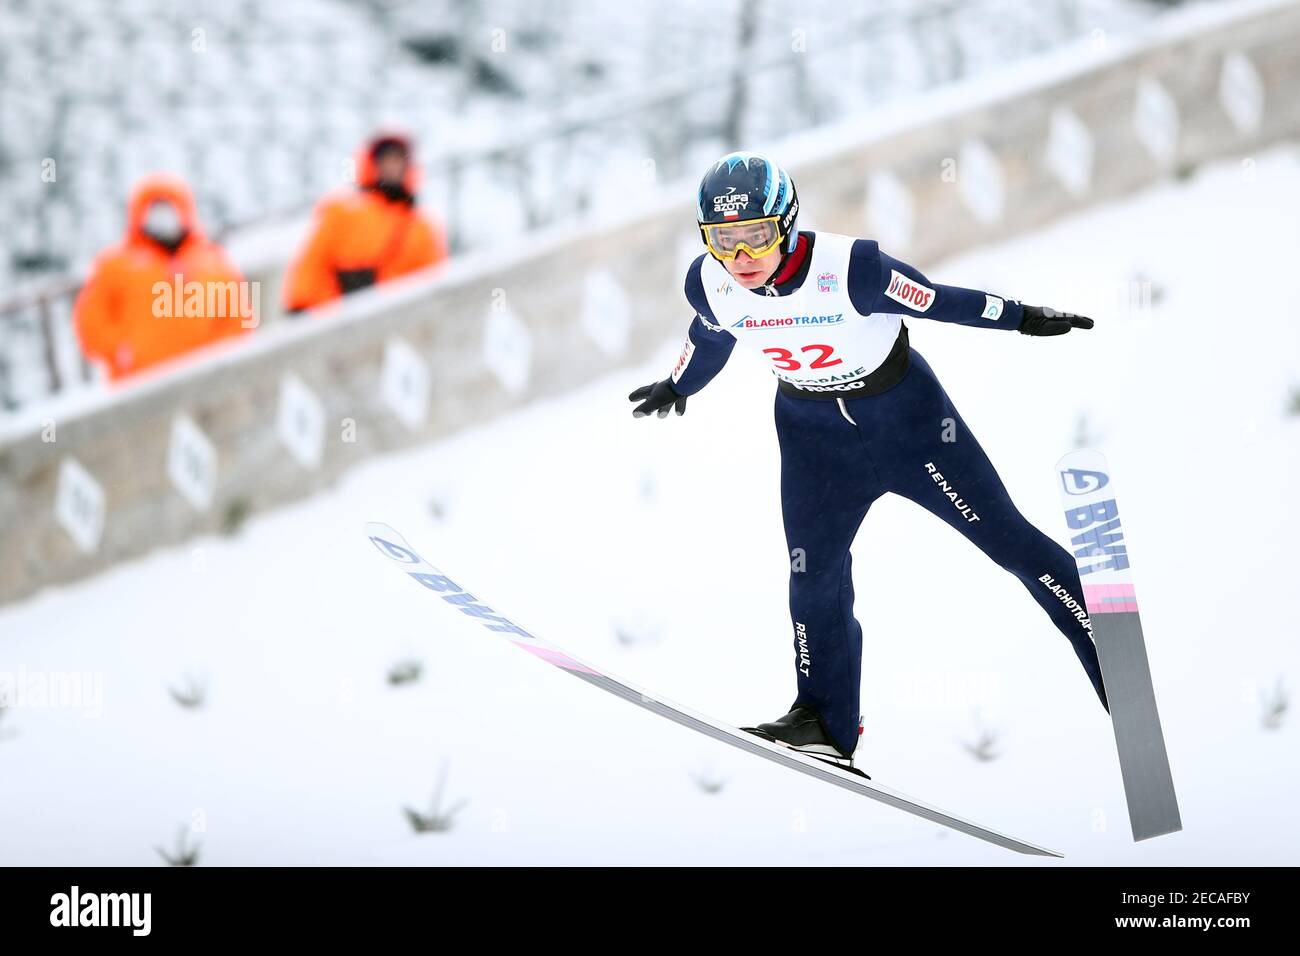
point(303, 753)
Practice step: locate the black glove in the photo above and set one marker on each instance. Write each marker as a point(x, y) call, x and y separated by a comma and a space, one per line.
point(658, 397)
point(1041, 320)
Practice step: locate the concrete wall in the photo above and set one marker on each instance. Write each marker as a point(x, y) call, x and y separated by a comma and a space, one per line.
point(101, 461)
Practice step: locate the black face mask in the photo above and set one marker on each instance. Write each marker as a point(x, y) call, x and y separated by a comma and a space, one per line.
point(164, 224)
point(170, 243)
point(394, 192)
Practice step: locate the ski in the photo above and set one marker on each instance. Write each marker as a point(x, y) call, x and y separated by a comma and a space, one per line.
point(1097, 542)
point(394, 547)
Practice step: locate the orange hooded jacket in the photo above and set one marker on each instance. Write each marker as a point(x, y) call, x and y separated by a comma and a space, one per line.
point(360, 229)
point(129, 314)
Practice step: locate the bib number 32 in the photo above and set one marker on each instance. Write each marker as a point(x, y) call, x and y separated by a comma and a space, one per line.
point(784, 359)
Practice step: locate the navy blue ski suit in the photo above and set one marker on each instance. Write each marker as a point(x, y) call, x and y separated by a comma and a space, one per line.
point(841, 450)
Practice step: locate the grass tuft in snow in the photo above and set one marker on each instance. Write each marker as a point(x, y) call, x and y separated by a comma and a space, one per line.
point(1275, 707)
point(184, 854)
point(234, 516)
point(439, 505)
point(405, 672)
point(192, 694)
point(435, 819)
point(636, 634)
point(1085, 435)
point(709, 780)
point(984, 747)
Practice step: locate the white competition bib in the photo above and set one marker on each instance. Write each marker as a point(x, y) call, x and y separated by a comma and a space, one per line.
point(812, 338)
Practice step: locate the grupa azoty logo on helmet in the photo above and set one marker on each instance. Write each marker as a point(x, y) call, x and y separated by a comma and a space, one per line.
point(731, 203)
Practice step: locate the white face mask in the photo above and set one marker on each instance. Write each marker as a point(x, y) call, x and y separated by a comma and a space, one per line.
point(162, 221)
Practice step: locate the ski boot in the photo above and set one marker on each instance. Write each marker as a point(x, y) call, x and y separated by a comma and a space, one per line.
point(802, 730)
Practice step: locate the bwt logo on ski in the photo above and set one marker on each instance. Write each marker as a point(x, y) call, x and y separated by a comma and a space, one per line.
point(1079, 481)
point(1102, 538)
point(449, 590)
point(912, 294)
point(805, 658)
point(788, 321)
point(102, 909)
point(731, 202)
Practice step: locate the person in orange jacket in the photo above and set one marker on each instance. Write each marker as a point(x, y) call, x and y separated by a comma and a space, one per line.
point(164, 290)
point(366, 235)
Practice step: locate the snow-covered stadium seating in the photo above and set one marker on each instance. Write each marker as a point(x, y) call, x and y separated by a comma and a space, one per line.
point(525, 112)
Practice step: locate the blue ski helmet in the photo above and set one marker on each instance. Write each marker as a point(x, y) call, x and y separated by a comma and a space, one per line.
point(744, 187)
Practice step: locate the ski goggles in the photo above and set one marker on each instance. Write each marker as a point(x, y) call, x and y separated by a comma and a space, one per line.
point(758, 237)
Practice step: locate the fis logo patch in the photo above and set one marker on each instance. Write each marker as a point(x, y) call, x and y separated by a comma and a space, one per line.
point(911, 294)
point(828, 282)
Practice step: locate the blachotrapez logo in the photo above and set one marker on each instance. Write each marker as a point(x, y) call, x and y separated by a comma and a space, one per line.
point(788, 321)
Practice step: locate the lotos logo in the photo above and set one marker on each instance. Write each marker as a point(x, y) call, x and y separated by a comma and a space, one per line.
point(912, 294)
point(731, 202)
point(828, 282)
point(1077, 481)
point(683, 360)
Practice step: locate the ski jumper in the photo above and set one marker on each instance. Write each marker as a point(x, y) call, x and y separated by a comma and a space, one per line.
point(860, 413)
